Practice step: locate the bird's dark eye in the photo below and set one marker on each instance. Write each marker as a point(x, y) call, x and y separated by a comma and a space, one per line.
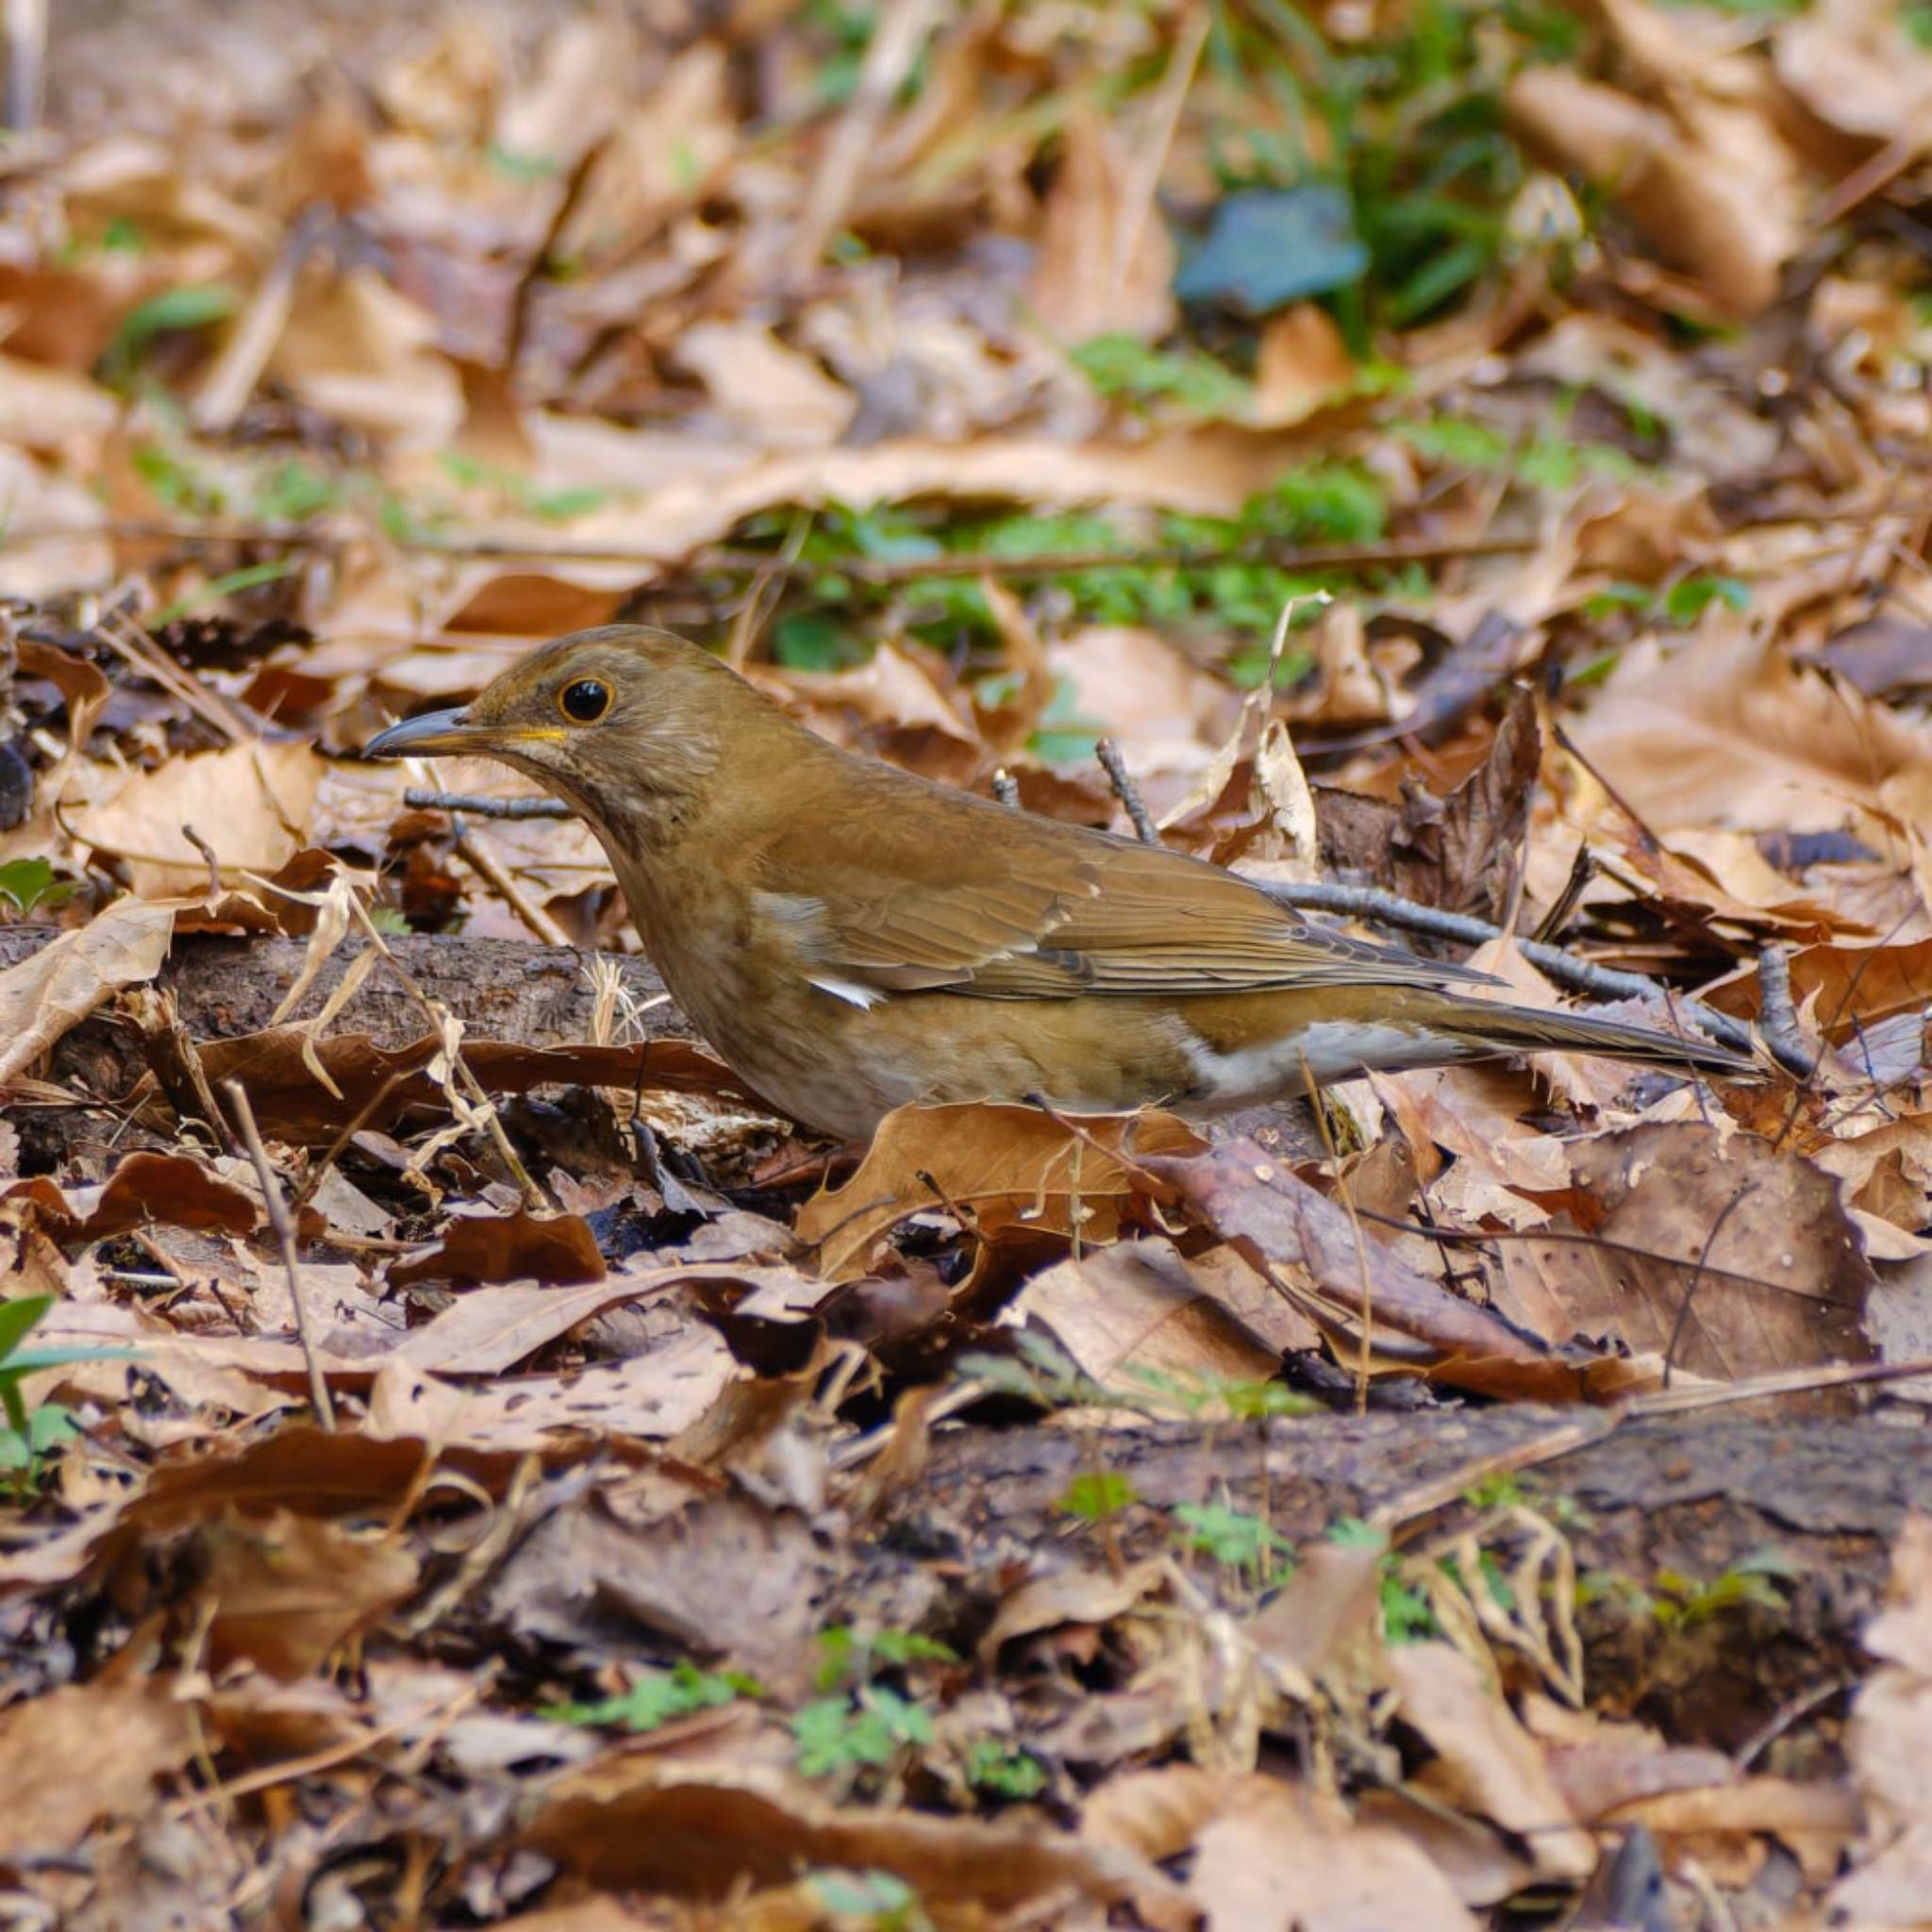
point(584, 702)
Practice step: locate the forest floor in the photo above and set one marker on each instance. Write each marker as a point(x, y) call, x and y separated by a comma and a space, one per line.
point(467, 1462)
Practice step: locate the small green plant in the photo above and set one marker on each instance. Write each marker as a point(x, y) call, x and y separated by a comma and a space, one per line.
point(1678, 605)
point(28, 885)
point(847, 1656)
point(880, 1901)
point(1165, 570)
point(1244, 1397)
point(519, 492)
point(179, 483)
point(1406, 1617)
point(1237, 1540)
point(251, 576)
point(1096, 1495)
point(859, 1723)
point(520, 164)
point(1041, 1371)
point(1126, 369)
point(1681, 1603)
point(656, 1697)
point(192, 306)
point(1502, 1488)
point(293, 491)
point(1002, 1768)
point(865, 1730)
point(29, 1434)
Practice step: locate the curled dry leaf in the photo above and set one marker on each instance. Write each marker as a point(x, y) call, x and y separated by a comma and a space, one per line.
point(1485, 1760)
point(251, 803)
point(1887, 1739)
point(1136, 1305)
point(997, 1165)
point(61, 985)
point(722, 1575)
point(556, 1250)
point(145, 1189)
point(1279, 1858)
point(284, 1589)
point(1711, 184)
point(1333, 1269)
point(1756, 741)
point(674, 1834)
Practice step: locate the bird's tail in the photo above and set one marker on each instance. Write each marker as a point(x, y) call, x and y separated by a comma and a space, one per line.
point(1487, 1026)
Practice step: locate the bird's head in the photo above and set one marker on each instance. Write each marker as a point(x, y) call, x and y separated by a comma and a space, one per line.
point(622, 721)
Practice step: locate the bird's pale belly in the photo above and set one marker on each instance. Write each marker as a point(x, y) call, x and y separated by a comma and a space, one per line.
point(842, 1066)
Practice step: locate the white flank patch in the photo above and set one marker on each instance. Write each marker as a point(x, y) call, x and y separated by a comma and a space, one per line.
point(849, 990)
point(1330, 1050)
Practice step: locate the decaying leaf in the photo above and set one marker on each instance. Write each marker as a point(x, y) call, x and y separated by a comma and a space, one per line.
point(997, 1165)
point(67, 979)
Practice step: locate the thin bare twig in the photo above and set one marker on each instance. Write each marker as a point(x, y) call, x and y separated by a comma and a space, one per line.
point(231, 379)
point(1579, 975)
point(461, 1074)
point(484, 864)
point(283, 1223)
point(901, 32)
point(421, 798)
point(1717, 1227)
point(1777, 1018)
point(26, 64)
point(1115, 766)
point(1138, 200)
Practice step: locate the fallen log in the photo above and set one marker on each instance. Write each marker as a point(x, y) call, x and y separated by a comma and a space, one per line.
point(1657, 1514)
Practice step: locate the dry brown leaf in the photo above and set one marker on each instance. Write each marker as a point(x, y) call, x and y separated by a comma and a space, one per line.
point(1779, 1274)
point(1709, 181)
point(1326, 1614)
point(284, 1590)
point(767, 390)
point(145, 1189)
point(251, 803)
point(1858, 67)
point(1070, 1595)
point(671, 1834)
point(553, 1249)
point(1280, 1858)
point(997, 1164)
point(1333, 1269)
point(1136, 1305)
point(1754, 741)
point(67, 978)
point(84, 1752)
point(1106, 263)
point(718, 1574)
point(355, 350)
point(1301, 362)
point(1486, 1762)
point(1156, 1814)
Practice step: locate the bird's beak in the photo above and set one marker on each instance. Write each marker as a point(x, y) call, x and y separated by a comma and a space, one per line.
point(429, 735)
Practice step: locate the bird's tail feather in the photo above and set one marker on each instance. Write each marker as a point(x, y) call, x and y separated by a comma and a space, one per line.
point(1489, 1027)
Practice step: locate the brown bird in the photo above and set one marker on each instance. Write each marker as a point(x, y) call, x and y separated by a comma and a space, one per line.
point(851, 938)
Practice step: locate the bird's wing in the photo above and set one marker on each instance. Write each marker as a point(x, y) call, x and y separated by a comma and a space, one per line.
point(1044, 911)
